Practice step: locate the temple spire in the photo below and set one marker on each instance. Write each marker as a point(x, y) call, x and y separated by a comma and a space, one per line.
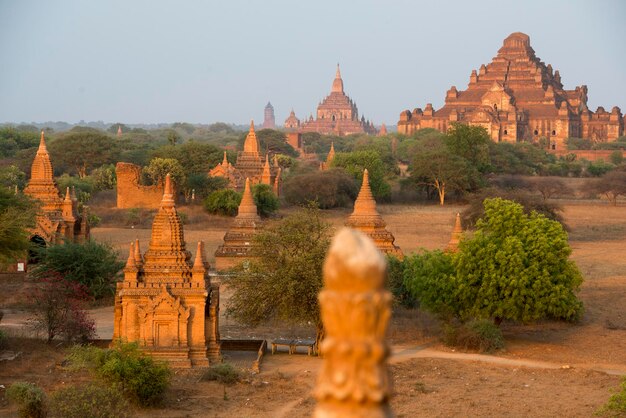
point(168, 193)
point(453, 245)
point(365, 203)
point(138, 257)
point(68, 197)
point(130, 262)
point(42, 145)
point(198, 263)
point(266, 176)
point(338, 82)
point(247, 208)
point(252, 144)
point(225, 160)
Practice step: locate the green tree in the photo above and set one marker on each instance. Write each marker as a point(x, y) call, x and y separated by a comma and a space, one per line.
point(444, 171)
point(194, 157)
point(223, 202)
point(469, 142)
point(355, 162)
point(173, 137)
point(265, 199)
point(81, 150)
point(11, 176)
point(92, 264)
point(17, 216)
point(159, 168)
point(272, 141)
point(329, 188)
point(285, 277)
point(104, 177)
point(516, 266)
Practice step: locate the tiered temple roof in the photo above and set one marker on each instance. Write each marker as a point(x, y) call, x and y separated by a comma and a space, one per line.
point(517, 97)
point(337, 114)
point(162, 302)
point(58, 218)
point(366, 219)
point(238, 240)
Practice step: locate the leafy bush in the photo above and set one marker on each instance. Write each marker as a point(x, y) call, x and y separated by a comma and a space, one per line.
point(478, 334)
point(265, 199)
point(428, 277)
point(58, 309)
point(395, 282)
point(616, 406)
point(599, 168)
point(330, 189)
point(223, 202)
point(141, 378)
point(30, 398)
point(89, 400)
point(92, 264)
point(104, 177)
point(93, 220)
point(224, 373)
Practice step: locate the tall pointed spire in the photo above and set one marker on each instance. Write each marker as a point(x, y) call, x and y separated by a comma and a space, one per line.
point(225, 160)
point(138, 257)
point(68, 197)
point(266, 176)
point(131, 265)
point(337, 82)
point(247, 207)
point(365, 203)
point(331, 154)
point(41, 184)
point(168, 193)
point(42, 145)
point(455, 238)
point(252, 144)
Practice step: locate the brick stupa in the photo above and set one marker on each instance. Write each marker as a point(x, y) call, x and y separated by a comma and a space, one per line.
point(238, 240)
point(166, 304)
point(58, 218)
point(250, 165)
point(366, 219)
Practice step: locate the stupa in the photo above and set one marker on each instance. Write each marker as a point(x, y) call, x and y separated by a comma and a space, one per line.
point(453, 245)
point(58, 218)
point(238, 240)
point(166, 304)
point(325, 165)
point(366, 219)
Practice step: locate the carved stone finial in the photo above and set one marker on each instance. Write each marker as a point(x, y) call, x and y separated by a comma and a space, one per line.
point(355, 309)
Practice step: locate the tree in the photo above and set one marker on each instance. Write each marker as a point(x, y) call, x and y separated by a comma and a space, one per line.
point(17, 216)
point(82, 149)
point(355, 162)
point(285, 277)
point(549, 187)
point(94, 265)
point(517, 267)
point(194, 157)
point(223, 202)
point(329, 188)
point(159, 168)
point(469, 142)
point(272, 141)
point(443, 171)
point(612, 185)
point(265, 199)
point(173, 137)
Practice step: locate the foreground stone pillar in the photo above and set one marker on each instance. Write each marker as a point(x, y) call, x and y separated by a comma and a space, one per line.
point(355, 308)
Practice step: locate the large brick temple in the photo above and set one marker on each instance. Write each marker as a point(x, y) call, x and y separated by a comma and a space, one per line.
point(337, 114)
point(517, 97)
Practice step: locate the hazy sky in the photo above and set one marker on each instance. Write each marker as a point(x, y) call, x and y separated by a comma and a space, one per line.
point(222, 60)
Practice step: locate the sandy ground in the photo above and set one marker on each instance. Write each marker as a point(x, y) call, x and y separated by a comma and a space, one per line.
point(548, 368)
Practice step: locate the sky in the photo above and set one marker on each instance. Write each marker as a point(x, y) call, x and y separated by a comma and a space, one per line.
point(136, 61)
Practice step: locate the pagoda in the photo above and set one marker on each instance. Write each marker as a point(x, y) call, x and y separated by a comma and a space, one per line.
point(58, 218)
point(455, 238)
point(337, 114)
point(250, 164)
point(366, 219)
point(325, 165)
point(167, 304)
point(517, 97)
point(269, 121)
point(238, 240)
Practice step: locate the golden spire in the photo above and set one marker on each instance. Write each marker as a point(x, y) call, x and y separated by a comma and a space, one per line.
point(225, 161)
point(168, 193)
point(266, 176)
point(68, 197)
point(198, 263)
point(130, 262)
point(331, 154)
point(42, 145)
point(337, 82)
point(365, 203)
point(247, 208)
point(453, 245)
point(251, 144)
point(138, 257)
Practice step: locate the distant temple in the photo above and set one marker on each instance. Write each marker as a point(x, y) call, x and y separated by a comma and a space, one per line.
point(58, 218)
point(269, 121)
point(365, 218)
point(165, 303)
point(250, 164)
point(238, 241)
point(519, 98)
point(337, 114)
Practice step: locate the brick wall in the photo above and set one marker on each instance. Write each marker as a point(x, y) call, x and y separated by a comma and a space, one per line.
point(132, 194)
point(590, 155)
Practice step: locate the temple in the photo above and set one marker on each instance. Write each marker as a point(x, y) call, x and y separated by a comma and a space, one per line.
point(238, 240)
point(58, 218)
point(366, 219)
point(337, 114)
point(269, 121)
point(167, 304)
point(455, 238)
point(251, 165)
point(325, 165)
point(517, 97)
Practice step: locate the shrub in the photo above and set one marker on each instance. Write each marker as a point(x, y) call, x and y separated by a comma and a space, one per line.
point(428, 277)
point(395, 282)
point(223, 202)
point(104, 177)
point(617, 157)
point(58, 309)
point(265, 199)
point(616, 406)
point(330, 188)
point(479, 334)
point(137, 375)
point(31, 399)
point(599, 168)
point(92, 264)
point(93, 220)
point(223, 373)
point(89, 400)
